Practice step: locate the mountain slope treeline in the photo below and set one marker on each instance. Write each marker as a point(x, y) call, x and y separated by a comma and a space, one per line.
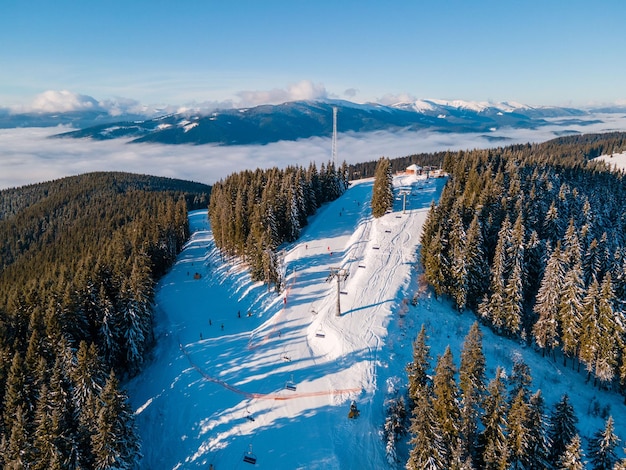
point(533, 239)
point(80, 257)
point(461, 420)
point(253, 212)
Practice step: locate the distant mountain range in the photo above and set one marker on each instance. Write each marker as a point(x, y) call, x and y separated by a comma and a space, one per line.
point(303, 119)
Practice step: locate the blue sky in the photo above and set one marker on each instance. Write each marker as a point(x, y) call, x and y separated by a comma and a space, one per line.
point(250, 52)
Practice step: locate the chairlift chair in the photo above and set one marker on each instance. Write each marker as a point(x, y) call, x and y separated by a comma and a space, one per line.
point(320, 333)
point(249, 457)
point(290, 384)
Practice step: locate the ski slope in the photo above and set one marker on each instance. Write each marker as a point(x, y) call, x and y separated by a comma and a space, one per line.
point(238, 369)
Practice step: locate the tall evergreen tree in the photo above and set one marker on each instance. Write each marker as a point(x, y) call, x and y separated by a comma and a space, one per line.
point(610, 333)
point(546, 328)
point(115, 443)
point(518, 433)
point(417, 370)
point(538, 442)
point(382, 193)
point(472, 387)
point(426, 452)
point(492, 440)
point(562, 428)
point(572, 457)
point(602, 447)
point(476, 263)
point(445, 405)
point(570, 311)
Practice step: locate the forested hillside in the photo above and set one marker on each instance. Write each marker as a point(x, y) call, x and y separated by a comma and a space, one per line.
point(253, 212)
point(533, 238)
point(80, 257)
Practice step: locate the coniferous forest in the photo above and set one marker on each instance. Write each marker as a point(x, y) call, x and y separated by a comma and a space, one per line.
point(533, 239)
point(80, 258)
point(253, 212)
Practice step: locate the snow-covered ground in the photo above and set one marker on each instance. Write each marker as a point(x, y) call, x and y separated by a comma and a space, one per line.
point(617, 161)
point(215, 387)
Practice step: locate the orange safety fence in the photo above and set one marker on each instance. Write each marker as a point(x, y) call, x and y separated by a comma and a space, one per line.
point(264, 396)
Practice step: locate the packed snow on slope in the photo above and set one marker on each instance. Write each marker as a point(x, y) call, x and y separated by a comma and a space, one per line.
point(240, 371)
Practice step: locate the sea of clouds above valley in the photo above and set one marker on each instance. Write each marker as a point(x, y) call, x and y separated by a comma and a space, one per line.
point(28, 155)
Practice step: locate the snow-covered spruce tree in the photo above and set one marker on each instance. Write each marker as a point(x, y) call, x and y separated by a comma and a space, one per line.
point(472, 390)
point(457, 284)
point(570, 311)
point(573, 456)
point(395, 427)
point(538, 444)
point(115, 443)
point(546, 328)
point(382, 192)
point(562, 428)
point(445, 405)
point(492, 439)
point(602, 447)
point(518, 432)
point(520, 380)
point(611, 333)
point(491, 308)
point(477, 266)
point(589, 328)
point(417, 371)
point(426, 452)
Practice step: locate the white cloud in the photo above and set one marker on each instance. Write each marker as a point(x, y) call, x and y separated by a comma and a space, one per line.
point(52, 101)
point(303, 90)
point(391, 98)
point(29, 156)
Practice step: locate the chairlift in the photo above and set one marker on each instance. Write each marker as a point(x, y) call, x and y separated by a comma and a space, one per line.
point(249, 416)
point(249, 457)
point(290, 384)
point(320, 333)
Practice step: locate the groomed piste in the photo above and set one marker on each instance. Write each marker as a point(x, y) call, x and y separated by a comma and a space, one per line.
point(244, 377)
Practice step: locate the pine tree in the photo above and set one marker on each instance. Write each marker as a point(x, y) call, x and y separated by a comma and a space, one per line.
point(115, 443)
point(570, 310)
point(446, 411)
point(610, 333)
point(590, 330)
point(458, 269)
point(19, 453)
point(562, 428)
point(16, 394)
point(537, 439)
point(492, 440)
point(572, 457)
point(472, 386)
point(518, 432)
point(476, 264)
point(602, 447)
point(491, 309)
point(382, 193)
point(513, 306)
point(417, 370)
point(546, 328)
point(394, 427)
point(520, 380)
point(426, 452)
